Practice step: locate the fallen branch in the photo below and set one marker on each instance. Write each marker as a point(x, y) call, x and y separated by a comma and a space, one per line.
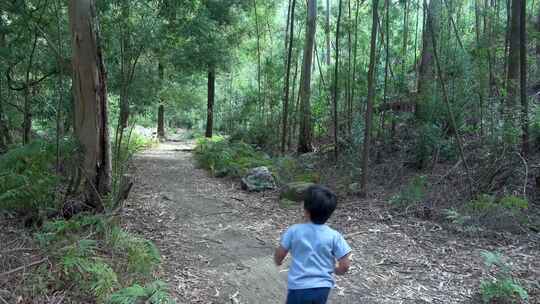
point(15, 270)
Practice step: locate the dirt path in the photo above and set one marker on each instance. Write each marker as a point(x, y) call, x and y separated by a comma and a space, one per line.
point(217, 242)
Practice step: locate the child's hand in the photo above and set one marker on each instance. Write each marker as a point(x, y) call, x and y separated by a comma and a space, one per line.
point(280, 255)
point(343, 265)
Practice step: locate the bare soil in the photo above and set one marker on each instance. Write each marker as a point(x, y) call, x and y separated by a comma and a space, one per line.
point(217, 242)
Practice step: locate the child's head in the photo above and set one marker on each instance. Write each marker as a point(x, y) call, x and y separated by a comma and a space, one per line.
point(319, 204)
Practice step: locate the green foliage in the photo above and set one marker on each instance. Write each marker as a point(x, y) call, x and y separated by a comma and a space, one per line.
point(27, 177)
point(414, 193)
point(153, 293)
point(225, 158)
point(501, 288)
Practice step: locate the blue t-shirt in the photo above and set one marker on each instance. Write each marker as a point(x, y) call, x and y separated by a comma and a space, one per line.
point(314, 249)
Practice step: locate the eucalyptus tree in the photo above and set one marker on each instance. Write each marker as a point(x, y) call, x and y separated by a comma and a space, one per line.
point(90, 100)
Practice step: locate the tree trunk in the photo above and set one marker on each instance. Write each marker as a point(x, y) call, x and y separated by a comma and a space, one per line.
point(210, 108)
point(426, 73)
point(355, 52)
point(90, 94)
point(258, 55)
point(349, 70)
point(370, 98)
point(3, 128)
point(405, 38)
point(125, 63)
point(287, 79)
point(27, 106)
point(327, 29)
point(523, 81)
point(161, 122)
point(336, 75)
point(161, 107)
point(512, 82)
point(305, 136)
point(386, 63)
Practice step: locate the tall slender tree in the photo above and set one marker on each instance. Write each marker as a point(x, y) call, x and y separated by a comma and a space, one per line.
point(286, 89)
point(512, 83)
point(306, 127)
point(523, 79)
point(370, 98)
point(335, 88)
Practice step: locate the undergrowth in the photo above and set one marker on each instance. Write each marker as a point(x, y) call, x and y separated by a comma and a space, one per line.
point(107, 263)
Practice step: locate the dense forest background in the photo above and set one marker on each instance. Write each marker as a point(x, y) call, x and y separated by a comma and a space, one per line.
point(429, 105)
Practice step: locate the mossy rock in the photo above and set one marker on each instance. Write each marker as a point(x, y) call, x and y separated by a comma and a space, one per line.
point(295, 192)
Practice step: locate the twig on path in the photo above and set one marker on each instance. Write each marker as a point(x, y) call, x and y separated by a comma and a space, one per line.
point(16, 249)
point(23, 267)
point(233, 298)
point(3, 301)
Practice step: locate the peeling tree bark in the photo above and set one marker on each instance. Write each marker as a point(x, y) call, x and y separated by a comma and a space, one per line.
point(90, 106)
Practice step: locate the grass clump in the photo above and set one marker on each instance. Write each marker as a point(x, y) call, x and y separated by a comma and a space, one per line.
point(501, 288)
point(223, 157)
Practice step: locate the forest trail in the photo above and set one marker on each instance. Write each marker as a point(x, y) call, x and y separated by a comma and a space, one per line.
point(208, 246)
point(217, 241)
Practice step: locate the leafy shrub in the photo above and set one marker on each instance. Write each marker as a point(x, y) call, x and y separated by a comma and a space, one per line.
point(414, 193)
point(27, 178)
point(225, 158)
point(501, 288)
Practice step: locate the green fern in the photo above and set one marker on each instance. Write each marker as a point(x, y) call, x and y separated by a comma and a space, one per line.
point(154, 293)
point(504, 290)
point(503, 287)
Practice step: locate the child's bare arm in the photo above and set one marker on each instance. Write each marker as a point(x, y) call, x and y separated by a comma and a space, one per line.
point(343, 265)
point(280, 255)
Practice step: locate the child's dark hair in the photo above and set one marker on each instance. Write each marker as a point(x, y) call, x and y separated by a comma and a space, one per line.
point(320, 202)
